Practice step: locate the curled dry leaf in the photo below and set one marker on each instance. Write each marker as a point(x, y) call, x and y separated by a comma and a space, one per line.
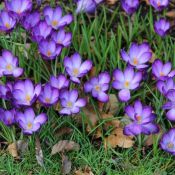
point(65, 145)
point(86, 171)
point(66, 165)
point(39, 152)
point(13, 150)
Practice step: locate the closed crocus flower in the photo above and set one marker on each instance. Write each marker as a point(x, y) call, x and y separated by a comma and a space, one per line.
point(98, 86)
point(70, 102)
point(125, 82)
point(130, 6)
point(41, 31)
point(76, 68)
point(55, 19)
point(49, 95)
point(161, 27)
point(162, 71)
point(59, 82)
point(49, 49)
point(138, 55)
point(142, 120)
point(7, 22)
point(165, 86)
point(9, 65)
point(62, 37)
point(29, 122)
point(167, 142)
point(159, 4)
point(25, 92)
point(18, 7)
point(8, 116)
point(31, 20)
point(6, 91)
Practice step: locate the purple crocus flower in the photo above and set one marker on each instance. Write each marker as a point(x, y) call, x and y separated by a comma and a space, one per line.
point(138, 55)
point(167, 142)
point(29, 122)
point(126, 81)
point(8, 116)
point(25, 93)
point(41, 31)
point(159, 4)
point(18, 7)
point(9, 65)
point(49, 95)
point(31, 20)
point(49, 49)
point(7, 22)
point(70, 102)
point(162, 71)
point(55, 19)
point(165, 86)
point(6, 91)
point(75, 68)
point(161, 27)
point(130, 6)
point(98, 86)
point(62, 38)
point(59, 82)
point(170, 105)
point(142, 120)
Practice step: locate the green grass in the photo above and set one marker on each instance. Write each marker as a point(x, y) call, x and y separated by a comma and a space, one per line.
point(99, 38)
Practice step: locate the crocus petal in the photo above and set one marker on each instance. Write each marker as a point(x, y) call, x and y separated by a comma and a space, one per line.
point(124, 95)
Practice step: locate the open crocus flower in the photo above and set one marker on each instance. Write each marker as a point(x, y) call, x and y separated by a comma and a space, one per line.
point(18, 7)
point(170, 105)
point(130, 6)
point(49, 49)
point(159, 4)
point(70, 102)
point(49, 95)
point(41, 31)
point(161, 27)
point(167, 142)
point(75, 68)
point(162, 71)
point(138, 55)
point(55, 19)
point(9, 65)
point(98, 86)
point(126, 81)
point(62, 38)
point(31, 20)
point(7, 22)
point(142, 120)
point(28, 122)
point(8, 116)
point(165, 86)
point(59, 82)
point(25, 93)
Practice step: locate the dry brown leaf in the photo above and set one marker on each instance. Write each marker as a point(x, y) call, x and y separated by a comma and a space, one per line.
point(113, 121)
point(65, 145)
point(112, 105)
point(62, 131)
point(117, 138)
point(86, 171)
point(13, 150)
point(111, 2)
point(171, 14)
point(66, 165)
point(39, 152)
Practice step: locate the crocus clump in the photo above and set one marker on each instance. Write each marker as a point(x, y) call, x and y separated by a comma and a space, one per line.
point(161, 27)
point(126, 81)
point(70, 102)
point(167, 142)
point(7, 116)
point(138, 55)
point(162, 71)
point(7, 22)
point(9, 65)
point(29, 122)
point(159, 4)
point(130, 6)
point(55, 19)
point(76, 68)
point(49, 95)
point(98, 86)
point(142, 120)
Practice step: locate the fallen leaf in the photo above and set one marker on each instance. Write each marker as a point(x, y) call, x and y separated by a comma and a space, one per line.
point(39, 152)
point(86, 171)
point(171, 14)
point(65, 145)
point(66, 165)
point(112, 105)
point(22, 146)
point(13, 150)
point(62, 131)
point(111, 2)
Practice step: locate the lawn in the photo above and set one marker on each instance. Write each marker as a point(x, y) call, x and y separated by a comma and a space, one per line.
point(100, 38)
